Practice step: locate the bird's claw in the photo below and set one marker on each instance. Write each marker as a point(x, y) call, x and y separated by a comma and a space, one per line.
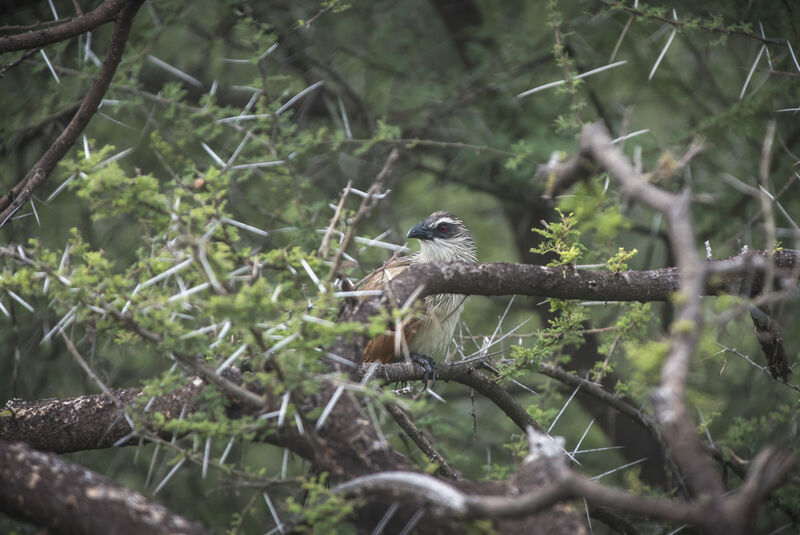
point(428, 364)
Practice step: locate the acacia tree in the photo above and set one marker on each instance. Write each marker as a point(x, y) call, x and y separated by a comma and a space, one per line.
point(189, 187)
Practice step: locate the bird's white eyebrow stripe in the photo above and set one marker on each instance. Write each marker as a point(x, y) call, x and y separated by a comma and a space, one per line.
point(444, 220)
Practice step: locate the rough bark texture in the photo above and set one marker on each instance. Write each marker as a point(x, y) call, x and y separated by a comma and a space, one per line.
point(85, 422)
point(771, 342)
point(45, 489)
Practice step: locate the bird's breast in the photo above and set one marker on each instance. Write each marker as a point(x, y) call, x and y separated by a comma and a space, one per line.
point(443, 311)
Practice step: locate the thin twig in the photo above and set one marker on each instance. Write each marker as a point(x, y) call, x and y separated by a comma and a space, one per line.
point(420, 439)
point(323, 249)
point(28, 53)
point(366, 204)
point(89, 371)
point(693, 22)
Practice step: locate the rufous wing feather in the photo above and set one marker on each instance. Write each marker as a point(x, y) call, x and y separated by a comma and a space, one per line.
point(383, 348)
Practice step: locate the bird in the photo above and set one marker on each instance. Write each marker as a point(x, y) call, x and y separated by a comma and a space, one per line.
point(443, 237)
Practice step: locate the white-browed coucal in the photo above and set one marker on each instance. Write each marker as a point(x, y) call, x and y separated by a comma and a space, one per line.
point(443, 238)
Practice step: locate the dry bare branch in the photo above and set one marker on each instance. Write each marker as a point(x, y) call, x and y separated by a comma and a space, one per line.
point(771, 341)
point(14, 199)
point(103, 13)
point(544, 479)
point(673, 415)
point(467, 375)
point(366, 205)
point(420, 439)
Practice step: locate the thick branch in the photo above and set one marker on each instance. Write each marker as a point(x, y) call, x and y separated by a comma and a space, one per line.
point(22, 191)
point(100, 15)
point(573, 485)
point(544, 479)
point(85, 422)
point(739, 274)
point(450, 501)
point(670, 403)
point(96, 421)
point(44, 489)
point(771, 342)
point(467, 375)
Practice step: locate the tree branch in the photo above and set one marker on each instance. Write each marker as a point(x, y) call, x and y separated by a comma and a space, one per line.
point(698, 23)
point(555, 482)
point(671, 410)
point(10, 65)
point(738, 274)
point(44, 489)
point(97, 421)
point(598, 392)
point(22, 191)
point(420, 439)
point(771, 342)
point(85, 422)
point(100, 15)
point(467, 375)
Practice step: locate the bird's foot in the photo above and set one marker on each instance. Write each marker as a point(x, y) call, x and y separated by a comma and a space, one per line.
point(428, 364)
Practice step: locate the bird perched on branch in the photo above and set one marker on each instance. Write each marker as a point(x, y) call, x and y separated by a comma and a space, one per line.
point(443, 238)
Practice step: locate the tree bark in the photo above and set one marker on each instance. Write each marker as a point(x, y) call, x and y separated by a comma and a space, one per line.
point(44, 489)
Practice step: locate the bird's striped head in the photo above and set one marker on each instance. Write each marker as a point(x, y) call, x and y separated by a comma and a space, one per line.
point(443, 238)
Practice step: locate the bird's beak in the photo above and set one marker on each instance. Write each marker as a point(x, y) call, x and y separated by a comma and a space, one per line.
point(420, 231)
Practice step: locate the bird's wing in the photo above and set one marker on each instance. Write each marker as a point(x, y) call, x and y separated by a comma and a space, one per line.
point(390, 270)
point(386, 347)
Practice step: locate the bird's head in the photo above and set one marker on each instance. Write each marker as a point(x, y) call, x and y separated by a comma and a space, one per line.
point(443, 238)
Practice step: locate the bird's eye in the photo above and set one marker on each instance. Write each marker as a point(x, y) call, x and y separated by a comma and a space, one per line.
point(442, 228)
